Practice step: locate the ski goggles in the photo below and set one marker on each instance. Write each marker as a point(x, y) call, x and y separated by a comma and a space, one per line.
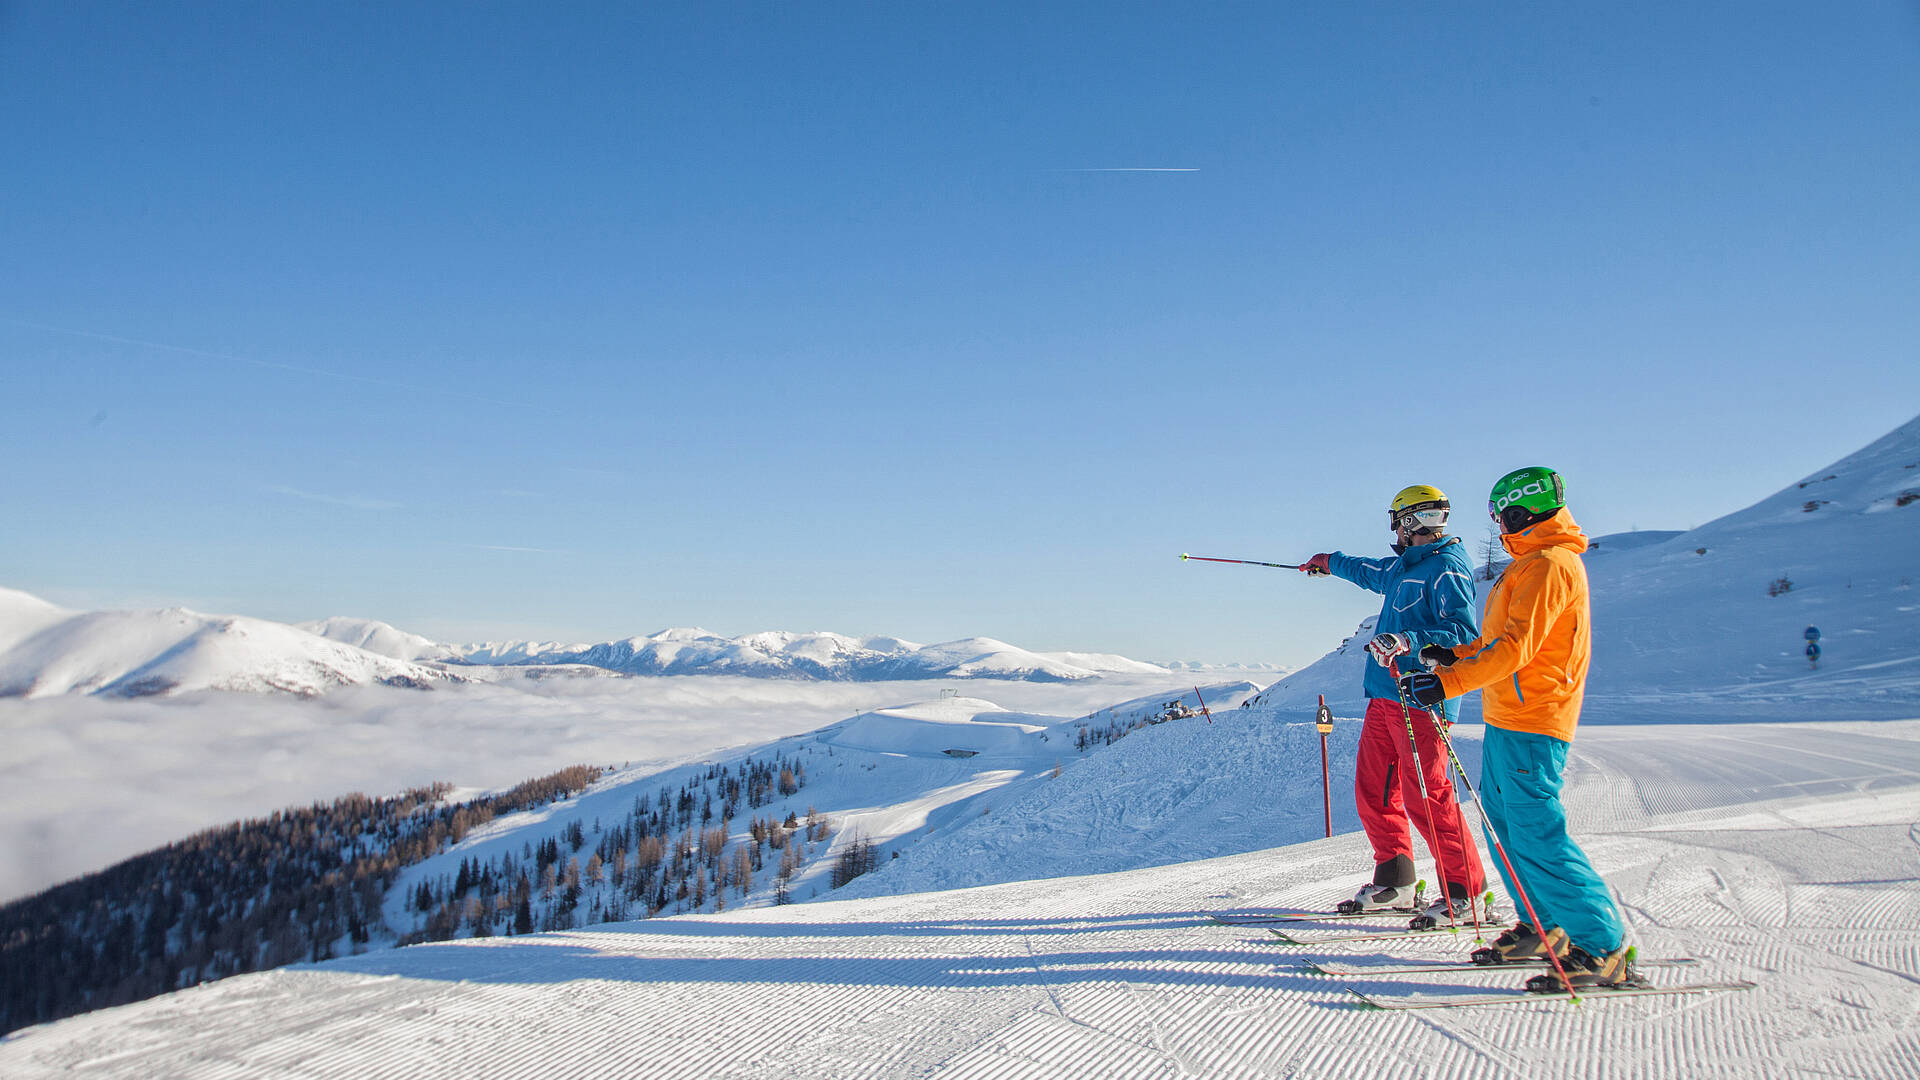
point(1415, 518)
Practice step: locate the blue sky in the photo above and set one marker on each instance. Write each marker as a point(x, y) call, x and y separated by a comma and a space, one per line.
point(581, 321)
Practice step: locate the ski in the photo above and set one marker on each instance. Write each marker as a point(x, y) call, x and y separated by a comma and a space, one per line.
point(1310, 916)
point(1379, 935)
point(1509, 997)
point(1466, 965)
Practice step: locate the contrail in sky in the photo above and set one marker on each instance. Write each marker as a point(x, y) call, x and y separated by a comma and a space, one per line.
point(354, 501)
point(1129, 170)
point(322, 372)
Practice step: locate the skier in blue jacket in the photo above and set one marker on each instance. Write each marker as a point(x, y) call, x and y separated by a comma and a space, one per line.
point(1429, 600)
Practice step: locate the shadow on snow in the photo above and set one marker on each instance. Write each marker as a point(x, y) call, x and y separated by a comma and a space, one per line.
point(561, 958)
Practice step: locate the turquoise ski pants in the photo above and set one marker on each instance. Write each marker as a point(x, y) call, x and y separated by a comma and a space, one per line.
point(1520, 787)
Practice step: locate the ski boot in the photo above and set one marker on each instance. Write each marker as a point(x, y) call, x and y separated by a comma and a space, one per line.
point(1372, 898)
point(1392, 889)
point(1614, 971)
point(1521, 943)
point(1456, 909)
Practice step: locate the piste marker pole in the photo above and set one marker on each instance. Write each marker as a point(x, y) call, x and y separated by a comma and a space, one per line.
point(1323, 720)
point(1204, 711)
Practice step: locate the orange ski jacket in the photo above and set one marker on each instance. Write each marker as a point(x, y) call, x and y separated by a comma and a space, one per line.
point(1530, 661)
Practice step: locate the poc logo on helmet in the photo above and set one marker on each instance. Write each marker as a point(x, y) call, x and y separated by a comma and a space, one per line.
point(1538, 487)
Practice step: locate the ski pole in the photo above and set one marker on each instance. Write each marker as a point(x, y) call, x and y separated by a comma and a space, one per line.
point(1243, 562)
point(1203, 706)
point(1439, 727)
point(1473, 904)
point(1512, 875)
point(1426, 801)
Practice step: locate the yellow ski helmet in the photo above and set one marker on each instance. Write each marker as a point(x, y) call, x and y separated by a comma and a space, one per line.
point(1421, 507)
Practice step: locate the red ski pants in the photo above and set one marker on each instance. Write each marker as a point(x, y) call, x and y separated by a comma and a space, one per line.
point(1387, 792)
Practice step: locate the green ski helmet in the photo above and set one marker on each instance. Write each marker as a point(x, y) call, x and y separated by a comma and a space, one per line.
point(1526, 497)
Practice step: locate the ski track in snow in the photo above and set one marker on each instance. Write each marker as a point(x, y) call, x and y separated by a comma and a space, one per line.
point(1783, 853)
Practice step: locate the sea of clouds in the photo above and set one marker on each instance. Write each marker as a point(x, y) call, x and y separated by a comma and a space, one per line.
point(86, 782)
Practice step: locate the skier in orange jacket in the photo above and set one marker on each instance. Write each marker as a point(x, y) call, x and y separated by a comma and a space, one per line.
point(1530, 665)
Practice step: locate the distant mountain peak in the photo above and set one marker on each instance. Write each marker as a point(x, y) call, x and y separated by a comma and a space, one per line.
point(47, 651)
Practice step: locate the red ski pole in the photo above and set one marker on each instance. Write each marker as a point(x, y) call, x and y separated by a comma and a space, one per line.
point(1203, 706)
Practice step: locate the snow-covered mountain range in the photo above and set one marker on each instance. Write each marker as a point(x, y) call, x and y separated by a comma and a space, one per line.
point(820, 655)
point(47, 650)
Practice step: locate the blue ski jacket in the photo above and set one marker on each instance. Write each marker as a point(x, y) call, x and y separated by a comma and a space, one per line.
point(1429, 598)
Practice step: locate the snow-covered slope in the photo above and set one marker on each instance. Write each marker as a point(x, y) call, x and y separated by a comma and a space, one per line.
point(23, 615)
point(1613, 543)
point(1694, 625)
point(381, 638)
point(1694, 630)
point(956, 726)
point(46, 651)
point(1761, 850)
point(1101, 663)
point(902, 776)
point(1165, 793)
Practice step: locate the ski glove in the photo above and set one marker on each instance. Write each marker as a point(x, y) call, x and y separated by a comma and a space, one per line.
point(1423, 689)
point(1316, 566)
point(1437, 656)
point(1387, 646)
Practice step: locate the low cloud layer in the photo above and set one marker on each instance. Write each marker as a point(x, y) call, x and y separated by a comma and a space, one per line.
point(86, 782)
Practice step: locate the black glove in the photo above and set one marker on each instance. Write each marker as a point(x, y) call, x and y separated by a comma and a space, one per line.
point(1437, 656)
point(1423, 689)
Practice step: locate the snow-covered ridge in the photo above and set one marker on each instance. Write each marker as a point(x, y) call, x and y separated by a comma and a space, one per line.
point(23, 615)
point(46, 651)
point(378, 637)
